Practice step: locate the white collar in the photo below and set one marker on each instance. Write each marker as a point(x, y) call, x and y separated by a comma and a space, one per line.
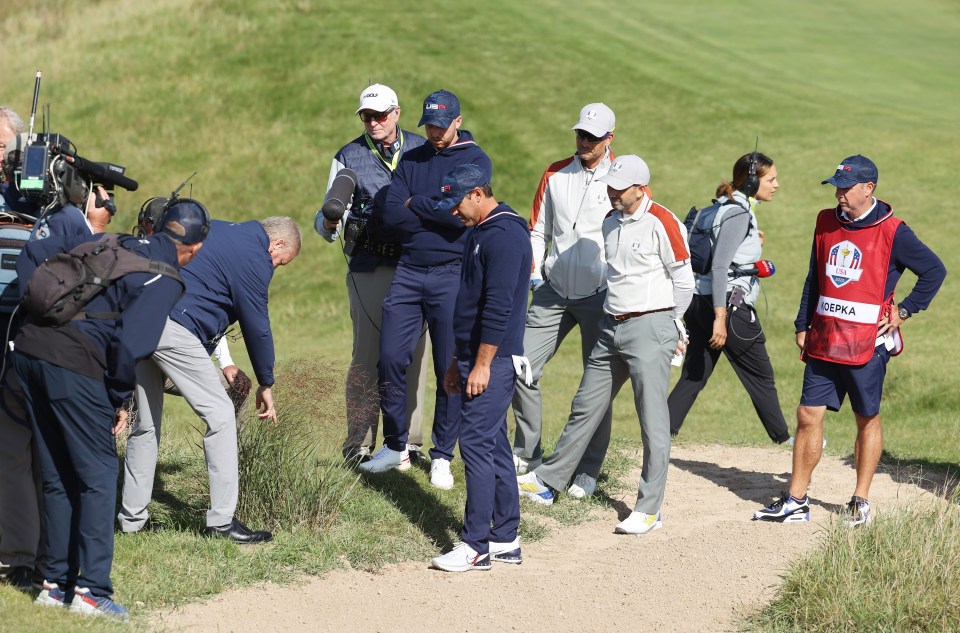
point(862, 217)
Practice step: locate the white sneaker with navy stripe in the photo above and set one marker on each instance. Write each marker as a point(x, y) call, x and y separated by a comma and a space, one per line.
point(462, 558)
point(506, 552)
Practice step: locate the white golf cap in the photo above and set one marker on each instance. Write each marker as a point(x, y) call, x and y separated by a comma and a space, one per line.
point(597, 119)
point(378, 98)
point(627, 171)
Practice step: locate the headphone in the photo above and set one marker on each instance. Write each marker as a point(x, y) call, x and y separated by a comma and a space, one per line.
point(149, 214)
point(751, 184)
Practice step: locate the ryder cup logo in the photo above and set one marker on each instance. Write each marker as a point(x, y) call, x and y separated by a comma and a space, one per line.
point(616, 167)
point(591, 115)
point(845, 263)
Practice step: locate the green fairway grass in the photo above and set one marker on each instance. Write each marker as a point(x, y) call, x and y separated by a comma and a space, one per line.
point(258, 95)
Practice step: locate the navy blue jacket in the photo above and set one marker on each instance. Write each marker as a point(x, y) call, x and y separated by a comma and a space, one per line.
point(908, 253)
point(429, 237)
point(228, 281)
point(373, 175)
point(142, 299)
point(68, 220)
point(11, 199)
point(494, 283)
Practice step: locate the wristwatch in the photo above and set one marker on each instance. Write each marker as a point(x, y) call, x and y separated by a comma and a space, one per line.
point(903, 313)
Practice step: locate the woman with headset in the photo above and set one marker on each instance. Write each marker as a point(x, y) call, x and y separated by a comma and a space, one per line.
point(722, 318)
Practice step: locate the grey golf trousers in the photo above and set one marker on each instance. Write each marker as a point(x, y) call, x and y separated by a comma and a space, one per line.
point(367, 291)
point(639, 349)
point(181, 357)
point(549, 319)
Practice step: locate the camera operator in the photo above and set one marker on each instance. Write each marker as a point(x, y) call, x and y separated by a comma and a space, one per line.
point(11, 200)
point(19, 482)
point(722, 317)
point(68, 219)
point(372, 156)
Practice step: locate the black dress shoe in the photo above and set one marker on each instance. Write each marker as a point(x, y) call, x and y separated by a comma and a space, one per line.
point(239, 533)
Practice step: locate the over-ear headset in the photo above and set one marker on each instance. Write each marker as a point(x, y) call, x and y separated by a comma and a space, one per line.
point(751, 184)
point(153, 209)
point(150, 213)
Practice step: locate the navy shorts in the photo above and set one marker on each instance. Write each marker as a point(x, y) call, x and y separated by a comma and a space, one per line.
point(827, 384)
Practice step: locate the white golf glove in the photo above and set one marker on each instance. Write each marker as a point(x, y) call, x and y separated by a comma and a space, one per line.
point(521, 365)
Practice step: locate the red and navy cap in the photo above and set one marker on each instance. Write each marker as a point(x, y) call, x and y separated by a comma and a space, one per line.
point(853, 170)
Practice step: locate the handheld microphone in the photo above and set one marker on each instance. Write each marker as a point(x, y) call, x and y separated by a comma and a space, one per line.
point(762, 269)
point(341, 193)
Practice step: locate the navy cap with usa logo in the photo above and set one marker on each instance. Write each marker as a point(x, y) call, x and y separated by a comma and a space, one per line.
point(440, 108)
point(458, 182)
point(853, 170)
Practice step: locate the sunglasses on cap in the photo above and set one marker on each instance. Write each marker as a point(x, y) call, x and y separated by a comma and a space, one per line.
point(379, 117)
point(590, 138)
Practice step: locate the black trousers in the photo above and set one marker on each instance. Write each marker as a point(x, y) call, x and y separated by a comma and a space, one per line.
point(747, 352)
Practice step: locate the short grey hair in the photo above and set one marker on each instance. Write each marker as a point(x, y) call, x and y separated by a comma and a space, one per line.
point(13, 118)
point(281, 227)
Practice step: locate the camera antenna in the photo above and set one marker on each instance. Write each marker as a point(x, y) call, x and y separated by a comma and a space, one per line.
point(33, 110)
point(173, 196)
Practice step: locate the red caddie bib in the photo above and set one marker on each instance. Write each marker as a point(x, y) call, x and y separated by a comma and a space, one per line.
point(852, 267)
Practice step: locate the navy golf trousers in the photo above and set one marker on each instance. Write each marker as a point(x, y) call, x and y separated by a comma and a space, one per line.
point(493, 500)
point(418, 294)
point(72, 421)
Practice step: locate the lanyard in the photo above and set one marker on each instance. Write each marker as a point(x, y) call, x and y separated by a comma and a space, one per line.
point(392, 165)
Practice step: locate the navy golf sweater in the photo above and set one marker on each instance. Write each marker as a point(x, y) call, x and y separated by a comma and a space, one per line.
point(494, 283)
point(227, 282)
point(429, 237)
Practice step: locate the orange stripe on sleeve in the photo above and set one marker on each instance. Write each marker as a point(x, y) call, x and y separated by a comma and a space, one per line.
point(672, 227)
point(542, 189)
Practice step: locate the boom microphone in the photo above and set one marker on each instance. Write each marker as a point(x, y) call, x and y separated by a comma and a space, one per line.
point(340, 194)
point(762, 269)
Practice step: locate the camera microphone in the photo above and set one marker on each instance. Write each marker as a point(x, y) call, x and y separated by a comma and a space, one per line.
point(762, 269)
point(340, 194)
point(106, 173)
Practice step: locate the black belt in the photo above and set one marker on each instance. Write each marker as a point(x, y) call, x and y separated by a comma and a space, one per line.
point(633, 315)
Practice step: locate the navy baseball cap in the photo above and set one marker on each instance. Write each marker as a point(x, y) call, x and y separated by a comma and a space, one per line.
point(853, 170)
point(458, 183)
point(185, 221)
point(440, 109)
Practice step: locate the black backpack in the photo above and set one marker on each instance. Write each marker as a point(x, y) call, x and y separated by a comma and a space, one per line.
point(700, 235)
point(61, 286)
